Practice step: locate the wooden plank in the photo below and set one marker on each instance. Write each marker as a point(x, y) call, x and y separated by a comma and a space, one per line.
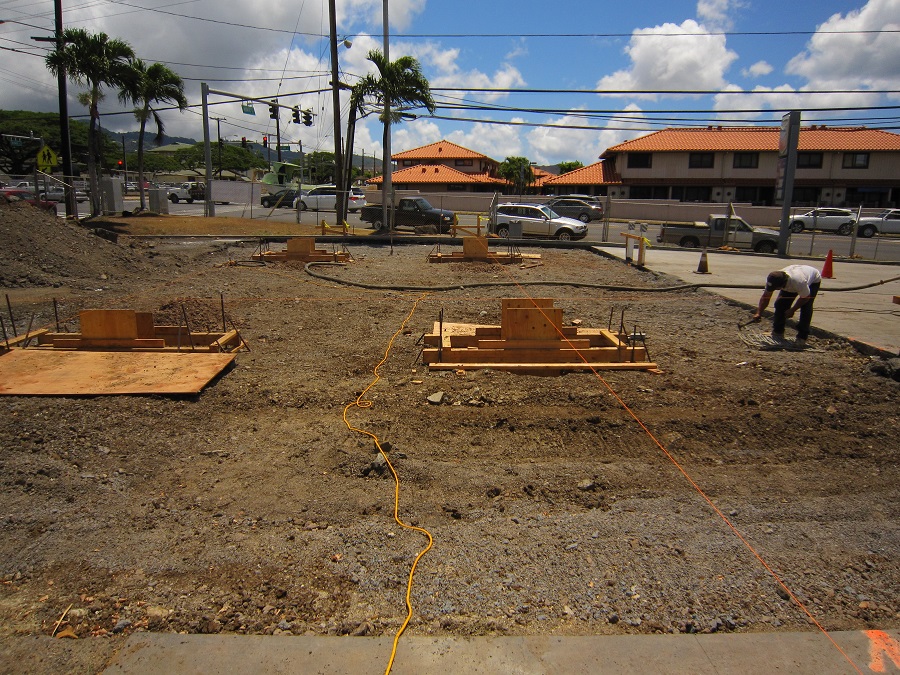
point(594, 355)
point(108, 323)
point(531, 323)
point(475, 247)
point(542, 367)
point(47, 372)
point(302, 245)
point(93, 343)
point(534, 344)
point(145, 327)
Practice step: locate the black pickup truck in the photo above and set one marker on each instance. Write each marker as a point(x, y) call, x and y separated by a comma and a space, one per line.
point(410, 212)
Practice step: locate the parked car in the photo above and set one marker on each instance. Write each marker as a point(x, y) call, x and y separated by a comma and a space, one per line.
point(58, 194)
point(886, 222)
point(572, 207)
point(829, 220)
point(283, 198)
point(28, 196)
point(718, 230)
point(319, 198)
point(356, 199)
point(537, 220)
point(324, 198)
point(410, 212)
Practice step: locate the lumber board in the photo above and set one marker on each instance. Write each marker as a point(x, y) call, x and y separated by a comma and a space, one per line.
point(47, 372)
point(108, 323)
point(575, 343)
point(144, 323)
point(535, 323)
point(543, 367)
point(598, 355)
point(119, 343)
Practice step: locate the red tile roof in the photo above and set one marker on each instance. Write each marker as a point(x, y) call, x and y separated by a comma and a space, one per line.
point(440, 150)
point(759, 139)
point(437, 173)
point(598, 173)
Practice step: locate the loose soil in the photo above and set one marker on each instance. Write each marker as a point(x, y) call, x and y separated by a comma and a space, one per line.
point(252, 508)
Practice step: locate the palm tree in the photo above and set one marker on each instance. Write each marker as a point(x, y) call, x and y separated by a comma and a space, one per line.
point(149, 85)
point(400, 83)
point(93, 60)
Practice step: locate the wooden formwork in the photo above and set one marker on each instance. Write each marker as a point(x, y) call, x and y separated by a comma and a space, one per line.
point(302, 249)
point(531, 338)
point(475, 249)
point(126, 329)
point(118, 351)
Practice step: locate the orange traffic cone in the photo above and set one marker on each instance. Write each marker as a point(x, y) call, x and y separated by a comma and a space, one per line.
point(827, 271)
point(703, 267)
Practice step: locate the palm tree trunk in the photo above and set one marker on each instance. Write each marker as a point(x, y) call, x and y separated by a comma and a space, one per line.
point(93, 143)
point(140, 154)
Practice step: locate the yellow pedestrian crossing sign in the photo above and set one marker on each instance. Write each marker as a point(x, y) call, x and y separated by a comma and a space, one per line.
point(46, 159)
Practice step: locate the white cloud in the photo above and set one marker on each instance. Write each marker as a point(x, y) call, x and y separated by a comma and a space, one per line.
point(449, 74)
point(843, 58)
point(715, 14)
point(758, 69)
point(556, 143)
point(497, 141)
point(662, 62)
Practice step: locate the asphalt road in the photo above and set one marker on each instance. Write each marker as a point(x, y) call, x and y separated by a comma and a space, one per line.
point(814, 244)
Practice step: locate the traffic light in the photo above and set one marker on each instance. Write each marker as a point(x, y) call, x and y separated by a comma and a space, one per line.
point(273, 111)
point(243, 141)
point(120, 163)
point(307, 118)
point(265, 141)
point(296, 114)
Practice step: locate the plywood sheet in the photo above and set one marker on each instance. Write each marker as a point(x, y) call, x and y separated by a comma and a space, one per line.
point(36, 372)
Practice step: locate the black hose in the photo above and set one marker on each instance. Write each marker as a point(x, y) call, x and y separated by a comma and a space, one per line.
point(577, 284)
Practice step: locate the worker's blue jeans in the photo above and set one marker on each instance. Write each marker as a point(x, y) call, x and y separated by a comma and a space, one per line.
point(783, 304)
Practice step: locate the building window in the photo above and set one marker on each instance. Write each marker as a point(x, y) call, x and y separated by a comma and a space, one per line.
point(701, 160)
point(640, 160)
point(409, 162)
point(809, 160)
point(649, 192)
point(856, 160)
point(462, 162)
point(746, 160)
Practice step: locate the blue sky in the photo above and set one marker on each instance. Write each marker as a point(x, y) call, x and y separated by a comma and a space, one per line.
point(781, 52)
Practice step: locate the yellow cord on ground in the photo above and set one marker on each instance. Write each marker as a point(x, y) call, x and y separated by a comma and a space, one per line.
point(360, 402)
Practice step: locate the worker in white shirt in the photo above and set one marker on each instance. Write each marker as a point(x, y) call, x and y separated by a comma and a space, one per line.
point(797, 286)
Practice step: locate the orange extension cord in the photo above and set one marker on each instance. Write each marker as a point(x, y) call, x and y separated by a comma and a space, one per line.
point(360, 402)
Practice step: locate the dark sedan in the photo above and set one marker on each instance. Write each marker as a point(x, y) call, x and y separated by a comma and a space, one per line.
point(283, 198)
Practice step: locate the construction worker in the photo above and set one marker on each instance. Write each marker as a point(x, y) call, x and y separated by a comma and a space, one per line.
point(797, 286)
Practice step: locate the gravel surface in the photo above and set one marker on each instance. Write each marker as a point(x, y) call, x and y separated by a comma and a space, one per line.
point(253, 508)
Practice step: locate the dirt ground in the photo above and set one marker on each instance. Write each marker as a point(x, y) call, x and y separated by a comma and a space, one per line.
point(252, 508)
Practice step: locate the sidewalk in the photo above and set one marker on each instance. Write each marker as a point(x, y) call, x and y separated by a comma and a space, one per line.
point(710, 654)
point(866, 316)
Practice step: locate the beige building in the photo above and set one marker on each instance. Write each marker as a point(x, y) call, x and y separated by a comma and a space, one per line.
point(836, 166)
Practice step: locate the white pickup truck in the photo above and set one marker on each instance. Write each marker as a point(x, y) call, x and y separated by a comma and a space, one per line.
point(187, 192)
point(720, 230)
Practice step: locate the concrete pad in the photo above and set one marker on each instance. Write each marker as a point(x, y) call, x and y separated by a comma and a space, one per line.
point(867, 316)
point(712, 654)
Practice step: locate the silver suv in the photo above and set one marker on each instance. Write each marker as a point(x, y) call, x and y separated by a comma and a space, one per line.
point(575, 207)
point(536, 220)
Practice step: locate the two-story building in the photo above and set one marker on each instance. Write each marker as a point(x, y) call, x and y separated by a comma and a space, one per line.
point(836, 166)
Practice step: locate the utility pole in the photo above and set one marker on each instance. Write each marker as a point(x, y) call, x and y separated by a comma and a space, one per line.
point(219, 140)
point(341, 197)
point(386, 186)
point(65, 141)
